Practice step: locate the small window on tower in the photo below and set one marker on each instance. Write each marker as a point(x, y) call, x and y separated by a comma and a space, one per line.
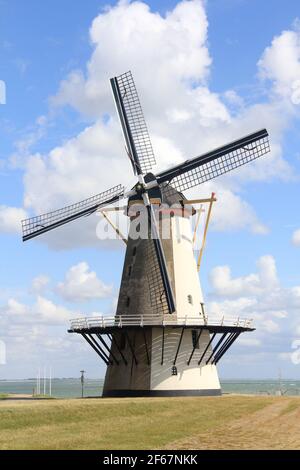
point(190, 299)
point(128, 302)
point(195, 339)
point(174, 370)
point(134, 251)
point(129, 271)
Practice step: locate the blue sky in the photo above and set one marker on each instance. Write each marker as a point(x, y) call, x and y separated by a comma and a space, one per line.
point(231, 54)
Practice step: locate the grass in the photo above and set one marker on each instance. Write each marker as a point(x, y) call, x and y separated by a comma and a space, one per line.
point(133, 423)
point(3, 396)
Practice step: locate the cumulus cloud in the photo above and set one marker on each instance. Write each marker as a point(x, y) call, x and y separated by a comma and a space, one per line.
point(259, 296)
point(280, 63)
point(265, 279)
point(296, 238)
point(10, 219)
point(185, 117)
point(39, 284)
point(81, 285)
point(42, 311)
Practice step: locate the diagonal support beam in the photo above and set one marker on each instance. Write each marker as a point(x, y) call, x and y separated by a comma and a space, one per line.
point(178, 348)
point(146, 347)
point(224, 346)
point(114, 341)
point(100, 348)
point(118, 232)
point(108, 349)
point(95, 349)
point(206, 349)
point(212, 200)
point(219, 343)
point(163, 346)
point(131, 349)
point(195, 345)
point(230, 344)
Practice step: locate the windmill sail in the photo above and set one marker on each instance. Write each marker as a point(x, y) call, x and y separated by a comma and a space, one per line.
point(217, 162)
point(46, 222)
point(161, 260)
point(138, 143)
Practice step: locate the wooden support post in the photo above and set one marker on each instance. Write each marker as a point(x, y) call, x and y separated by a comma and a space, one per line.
point(228, 346)
point(195, 345)
point(97, 345)
point(95, 349)
point(113, 339)
point(223, 347)
point(163, 346)
point(212, 200)
point(120, 235)
point(197, 224)
point(146, 347)
point(217, 346)
point(179, 344)
point(131, 348)
point(206, 349)
point(107, 348)
point(197, 201)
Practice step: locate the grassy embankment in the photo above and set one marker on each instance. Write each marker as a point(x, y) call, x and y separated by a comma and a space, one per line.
point(229, 422)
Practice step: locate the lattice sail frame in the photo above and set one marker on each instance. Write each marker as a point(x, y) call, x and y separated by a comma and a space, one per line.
point(45, 222)
point(216, 163)
point(136, 122)
point(158, 298)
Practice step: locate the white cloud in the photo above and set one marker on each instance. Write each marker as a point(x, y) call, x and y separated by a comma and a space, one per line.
point(39, 284)
point(266, 279)
point(232, 213)
point(82, 285)
point(270, 326)
point(258, 296)
point(248, 341)
point(296, 238)
point(280, 63)
point(10, 219)
point(185, 117)
point(43, 311)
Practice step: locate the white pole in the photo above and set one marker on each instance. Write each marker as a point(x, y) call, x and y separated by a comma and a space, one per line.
point(44, 380)
point(39, 382)
point(50, 382)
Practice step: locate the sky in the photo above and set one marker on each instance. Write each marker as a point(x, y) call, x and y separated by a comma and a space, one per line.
point(207, 72)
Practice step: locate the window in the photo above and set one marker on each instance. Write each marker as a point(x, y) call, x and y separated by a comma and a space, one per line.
point(134, 251)
point(174, 370)
point(128, 302)
point(129, 271)
point(195, 339)
point(190, 299)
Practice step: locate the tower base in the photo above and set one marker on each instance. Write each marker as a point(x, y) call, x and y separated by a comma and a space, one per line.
point(161, 393)
point(160, 358)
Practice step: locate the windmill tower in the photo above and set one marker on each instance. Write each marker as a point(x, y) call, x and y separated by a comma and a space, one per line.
point(160, 342)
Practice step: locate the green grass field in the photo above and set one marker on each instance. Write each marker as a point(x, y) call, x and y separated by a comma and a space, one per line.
point(174, 423)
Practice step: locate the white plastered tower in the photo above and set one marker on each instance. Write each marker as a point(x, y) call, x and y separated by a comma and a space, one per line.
point(163, 359)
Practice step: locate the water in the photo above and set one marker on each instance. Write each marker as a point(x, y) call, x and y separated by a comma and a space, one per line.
point(61, 388)
point(71, 388)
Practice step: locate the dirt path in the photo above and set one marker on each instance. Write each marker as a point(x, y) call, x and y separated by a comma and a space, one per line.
point(277, 426)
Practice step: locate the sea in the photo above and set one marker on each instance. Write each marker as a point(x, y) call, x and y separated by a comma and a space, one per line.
point(72, 388)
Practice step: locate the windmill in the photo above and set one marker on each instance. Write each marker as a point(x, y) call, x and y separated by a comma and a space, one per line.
point(160, 342)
